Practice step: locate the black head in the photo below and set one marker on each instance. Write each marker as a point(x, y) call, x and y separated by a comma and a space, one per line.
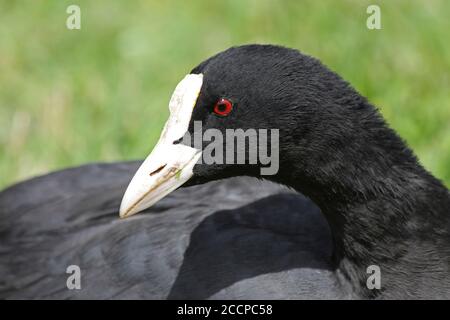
point(318, 114)
point(325, 138)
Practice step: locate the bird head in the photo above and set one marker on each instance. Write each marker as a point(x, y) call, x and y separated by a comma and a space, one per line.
point(256, 110)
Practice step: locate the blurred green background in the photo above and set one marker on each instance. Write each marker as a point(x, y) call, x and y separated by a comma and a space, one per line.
point(69, 97)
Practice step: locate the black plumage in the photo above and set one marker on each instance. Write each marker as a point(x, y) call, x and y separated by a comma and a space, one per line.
point(240, 238)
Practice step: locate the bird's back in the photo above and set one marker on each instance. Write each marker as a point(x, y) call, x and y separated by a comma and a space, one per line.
point(236, 238)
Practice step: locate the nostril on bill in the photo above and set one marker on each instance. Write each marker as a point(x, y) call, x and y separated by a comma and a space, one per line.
point(178, 141)
point(158, 170)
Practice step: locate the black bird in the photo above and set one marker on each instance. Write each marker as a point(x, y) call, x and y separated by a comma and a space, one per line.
point(368, 201)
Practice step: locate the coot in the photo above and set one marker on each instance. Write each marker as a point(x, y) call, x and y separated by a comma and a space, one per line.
point(348, 194)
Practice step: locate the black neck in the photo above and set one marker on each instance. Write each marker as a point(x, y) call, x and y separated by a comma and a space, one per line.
point(383, 208)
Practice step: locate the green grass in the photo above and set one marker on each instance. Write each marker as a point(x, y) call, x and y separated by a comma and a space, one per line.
point(100, 93)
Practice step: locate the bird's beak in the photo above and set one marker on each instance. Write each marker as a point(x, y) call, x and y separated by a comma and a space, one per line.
point(169, 165)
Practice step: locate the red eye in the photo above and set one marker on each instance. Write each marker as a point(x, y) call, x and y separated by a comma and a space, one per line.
point(223, 107)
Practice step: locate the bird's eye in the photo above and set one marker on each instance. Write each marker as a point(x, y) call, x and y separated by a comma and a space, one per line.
point(223, 107)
